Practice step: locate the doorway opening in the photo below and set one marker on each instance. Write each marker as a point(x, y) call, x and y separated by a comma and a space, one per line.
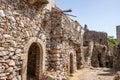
point(99, 60)
point(33, 58)
point(71, 64)
point(33, 62)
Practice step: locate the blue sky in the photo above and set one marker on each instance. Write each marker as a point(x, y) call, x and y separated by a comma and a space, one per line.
point(100, 15)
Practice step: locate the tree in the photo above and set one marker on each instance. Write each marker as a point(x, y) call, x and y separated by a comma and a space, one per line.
point(112, 41)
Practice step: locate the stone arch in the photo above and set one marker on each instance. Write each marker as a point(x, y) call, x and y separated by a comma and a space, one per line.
point(40, 64)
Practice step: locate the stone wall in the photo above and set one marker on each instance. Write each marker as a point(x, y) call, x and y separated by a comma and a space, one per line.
point(21, 25)
point(33, 31)
point(19, 22)
point(96, 49)
point(51, 4)
point(97, 37)
point(66, 39)
point(118, 34)
point(116, 51)
point(116, 57)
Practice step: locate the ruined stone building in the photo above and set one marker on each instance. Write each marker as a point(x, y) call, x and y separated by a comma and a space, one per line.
point(116, 52)
point(96, 44)
point(37, 40)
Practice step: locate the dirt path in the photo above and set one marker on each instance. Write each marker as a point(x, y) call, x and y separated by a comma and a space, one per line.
point(93, 74)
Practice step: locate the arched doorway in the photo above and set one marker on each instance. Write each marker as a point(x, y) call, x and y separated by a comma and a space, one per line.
point(71, 64)
point(33, 60)
point(78, 57)
point(99, 60)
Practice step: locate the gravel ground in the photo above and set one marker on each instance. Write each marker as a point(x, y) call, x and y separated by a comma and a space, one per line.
point(93, 74)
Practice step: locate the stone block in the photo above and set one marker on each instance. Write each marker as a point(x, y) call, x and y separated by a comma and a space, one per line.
point(2, 53)
point(11, 63)
point(2, 14)
point(7, 36)
point(2, 48)
point(18, 51)
point(19, 77)
point(9, 70)
point(11, 49)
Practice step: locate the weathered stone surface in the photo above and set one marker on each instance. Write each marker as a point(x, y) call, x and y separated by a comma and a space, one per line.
point(19, 77)
point(117, 76)
point(47, 33)
point(11, 63)
point(18, 63)
point(7, 36)
point(9, 70)
point(2, 48)
point(14, 78)
point(116, 57)
point(3, 53)
point(18, 51)
point(2, 69)
point(48, 77)
point(97, 51)
point(2, 14)
point(3, 74)
point(11, 49)
point(118, 33)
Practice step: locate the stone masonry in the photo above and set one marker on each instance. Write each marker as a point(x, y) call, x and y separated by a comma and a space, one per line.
point(96, 49)
point(116, 51)
point(22, 25)
point(39, 41)
point(118, 32)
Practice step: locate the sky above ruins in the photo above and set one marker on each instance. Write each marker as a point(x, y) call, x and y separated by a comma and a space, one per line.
point(100, 15)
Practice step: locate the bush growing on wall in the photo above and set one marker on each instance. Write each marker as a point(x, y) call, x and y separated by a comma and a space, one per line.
point(112, 41)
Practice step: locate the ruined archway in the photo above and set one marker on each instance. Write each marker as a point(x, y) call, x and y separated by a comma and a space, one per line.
point(34, 59)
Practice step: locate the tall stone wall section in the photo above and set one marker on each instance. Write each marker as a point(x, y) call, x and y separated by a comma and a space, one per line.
point(118, 34)
point(116, 58)
point(18, 23)
point(116, 51)
point(66, 39)
point(96, 49)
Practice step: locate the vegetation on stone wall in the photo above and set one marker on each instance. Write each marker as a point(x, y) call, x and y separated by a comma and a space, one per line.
point(112, 41)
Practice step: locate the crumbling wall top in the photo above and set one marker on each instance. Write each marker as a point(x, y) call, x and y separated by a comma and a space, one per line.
point(50, 4)
point(97, 37)
point(47, 3)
